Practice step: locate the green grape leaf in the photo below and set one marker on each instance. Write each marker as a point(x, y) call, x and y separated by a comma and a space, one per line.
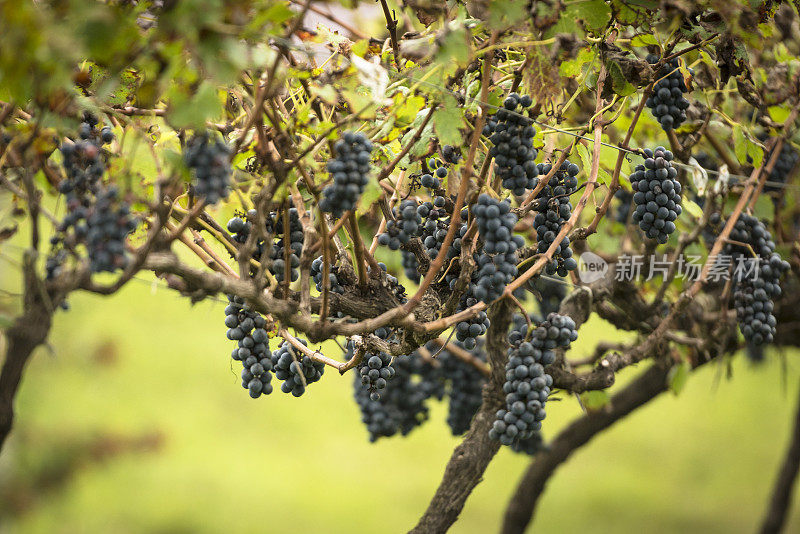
point(594, 400)
point(692, 207)
point(596, 13)
point(619, 84)
point(446, 122)
point(677, 377)
point(572, 68)
point(372, 192)
point(644, 40)
point(739, 145)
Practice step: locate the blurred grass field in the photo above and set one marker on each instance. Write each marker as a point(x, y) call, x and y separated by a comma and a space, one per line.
point(147, 361)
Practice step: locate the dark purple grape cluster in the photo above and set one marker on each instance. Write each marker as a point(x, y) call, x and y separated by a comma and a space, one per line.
point(784, 165)
point(402, 406)
point(553, 209)
point(451, 154)
point(754, 292)
point(512, 134)
point(83, 160)
point(84, 168)
point(297, 370)
point(279, 252)
point(375, 369)
point(435, 225)
point(403, 227)
point(410, 265)
point(316, 275)
point(350, 171)
point(465, 386)
point(108, 224)
point(667, 102)
point(497, 262)
point(527, 385)
point(209, 160)
point(657, 194)
point(248, 329)
point(240, 228)
point(468, 331)
point(625, 198)
point(433, 180)
point(549, 292)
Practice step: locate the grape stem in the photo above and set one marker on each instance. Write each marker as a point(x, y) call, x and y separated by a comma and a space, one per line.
point(315, 355)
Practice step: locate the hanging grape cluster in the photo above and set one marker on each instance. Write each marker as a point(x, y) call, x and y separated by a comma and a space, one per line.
point(241, 226)
point(667, 102)
point(350, 171)
point(434, 228)
point(497, 263)
point(755, 291)
point(469, 330)
point(402, 406)
point(403, 227)
point(553, 209)
point(279, 252)
point(375, 369)
point(108, 224)
point(316, 275)
point(465, 382)
point(82, 160)
point(451, 154)
point(433, 179)
point(512, 134)
point(527, 385)
point(657, 194)
point(782, 170)
point(209, 160)
point(410, 265)
point(624, 197)
point(550, 292)
point(96, 215)
point(297, 370)
point(247, 328)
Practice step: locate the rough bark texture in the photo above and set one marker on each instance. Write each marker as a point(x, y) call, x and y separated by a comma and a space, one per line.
point(784, 485)
point(28, 332)
point(469, 460)
point(522, 505)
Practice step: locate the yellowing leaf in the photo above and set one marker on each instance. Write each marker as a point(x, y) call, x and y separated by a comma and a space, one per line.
point(446, 123)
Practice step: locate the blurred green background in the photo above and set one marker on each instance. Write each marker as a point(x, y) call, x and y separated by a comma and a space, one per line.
point(133, 420)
